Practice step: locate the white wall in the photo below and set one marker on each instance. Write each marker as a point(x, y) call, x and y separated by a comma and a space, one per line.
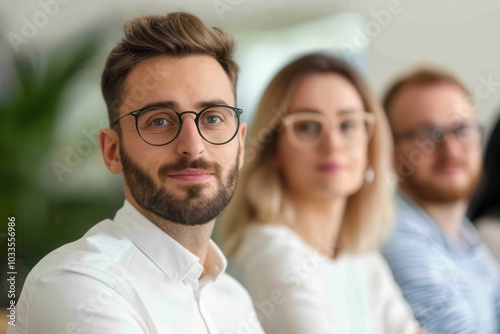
point(463, 36)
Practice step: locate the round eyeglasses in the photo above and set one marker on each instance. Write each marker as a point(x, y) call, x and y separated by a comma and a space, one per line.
point(306, 129)
point(159, 126)
point(468, 135)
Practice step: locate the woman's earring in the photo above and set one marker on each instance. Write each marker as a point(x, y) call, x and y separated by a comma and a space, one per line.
point(369, 175)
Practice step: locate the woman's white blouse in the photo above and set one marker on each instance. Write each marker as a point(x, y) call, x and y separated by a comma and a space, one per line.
point(295, 289)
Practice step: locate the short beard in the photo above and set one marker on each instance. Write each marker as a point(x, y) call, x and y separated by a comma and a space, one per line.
point(192, 209)
point(430, 192)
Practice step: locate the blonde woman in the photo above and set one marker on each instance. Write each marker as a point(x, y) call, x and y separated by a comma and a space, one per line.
point(312, 205)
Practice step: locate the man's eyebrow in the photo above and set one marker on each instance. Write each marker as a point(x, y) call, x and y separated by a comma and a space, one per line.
point(429, 125)
point(210, 103)
point(164, 104)
point(175, 106)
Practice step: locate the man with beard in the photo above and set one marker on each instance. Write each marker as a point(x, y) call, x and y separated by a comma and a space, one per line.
point(447, 275)
point(169, 86)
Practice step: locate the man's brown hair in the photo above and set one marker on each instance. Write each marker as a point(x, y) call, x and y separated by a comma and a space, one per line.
point(421, 77)
point(176, 34)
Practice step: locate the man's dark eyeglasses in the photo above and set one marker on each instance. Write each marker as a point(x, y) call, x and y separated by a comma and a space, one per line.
point(160, 126)
point(465, 133)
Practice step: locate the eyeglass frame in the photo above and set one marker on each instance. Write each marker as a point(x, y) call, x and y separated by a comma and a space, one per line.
point(416, 134)
point(369, 119)
point(138, 112)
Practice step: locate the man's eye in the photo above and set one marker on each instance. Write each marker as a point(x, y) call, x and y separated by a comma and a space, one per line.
point(431, 133)
point(159, 122)
point(213, 119)
point(462, 130)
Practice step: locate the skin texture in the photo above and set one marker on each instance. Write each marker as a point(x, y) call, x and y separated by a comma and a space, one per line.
point(181, 186)
point(319, 195)
point(438, 176)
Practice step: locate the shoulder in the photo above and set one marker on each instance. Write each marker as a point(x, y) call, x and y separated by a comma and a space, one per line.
point(229, 288)
point(389, 310)
point(373, 265)
point(411, 230)
point(272, 256)
point(409, 218)
point(79, 279)
point(98, 255)
point(273, 246)
point(381, 281)
point(68, 294)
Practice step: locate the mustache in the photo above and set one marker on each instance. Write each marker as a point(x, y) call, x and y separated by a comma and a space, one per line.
point(442, 163)
point(184, 163)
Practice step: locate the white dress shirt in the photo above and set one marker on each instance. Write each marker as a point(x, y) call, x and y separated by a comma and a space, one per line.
point(128, 276)
point(296, 290)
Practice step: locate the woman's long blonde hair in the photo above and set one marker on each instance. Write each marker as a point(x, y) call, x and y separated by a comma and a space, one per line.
point(260, 197)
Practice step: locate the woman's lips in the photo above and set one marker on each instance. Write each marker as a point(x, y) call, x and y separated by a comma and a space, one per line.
point(329, 168)
point(191, 175)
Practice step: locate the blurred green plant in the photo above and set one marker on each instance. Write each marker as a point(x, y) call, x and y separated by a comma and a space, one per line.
point(29, 111)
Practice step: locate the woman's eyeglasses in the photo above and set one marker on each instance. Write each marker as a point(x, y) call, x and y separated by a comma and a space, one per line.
point(306, 128)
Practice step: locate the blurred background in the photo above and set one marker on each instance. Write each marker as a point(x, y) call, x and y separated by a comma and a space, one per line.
point(52, 53)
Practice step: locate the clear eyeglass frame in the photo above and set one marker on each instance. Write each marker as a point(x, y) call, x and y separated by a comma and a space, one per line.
point(354, 127)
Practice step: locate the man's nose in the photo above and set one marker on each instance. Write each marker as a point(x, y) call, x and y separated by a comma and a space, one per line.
point(450, 143)
point(189, 140)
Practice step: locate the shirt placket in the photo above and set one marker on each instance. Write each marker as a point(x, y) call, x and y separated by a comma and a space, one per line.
point(199, 286)
point(205, 315)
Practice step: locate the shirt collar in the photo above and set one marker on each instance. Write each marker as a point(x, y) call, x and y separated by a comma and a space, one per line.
point(166, 253)
point(466, 231)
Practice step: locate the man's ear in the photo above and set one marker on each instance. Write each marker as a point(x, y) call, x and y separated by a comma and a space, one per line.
point(242, 132)
point(110, 149)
